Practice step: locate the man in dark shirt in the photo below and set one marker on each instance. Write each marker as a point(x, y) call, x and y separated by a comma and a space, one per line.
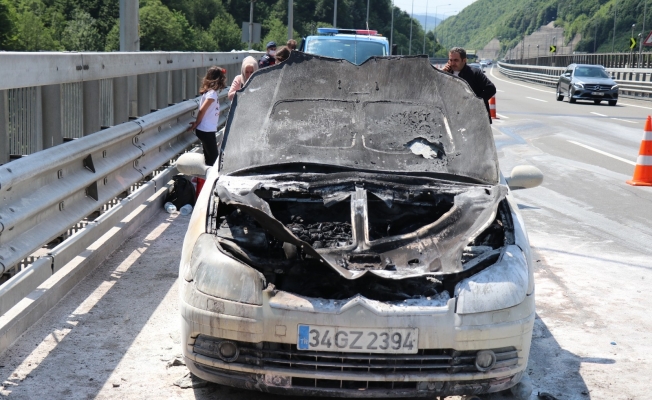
point(480, 84)
point(268, 59)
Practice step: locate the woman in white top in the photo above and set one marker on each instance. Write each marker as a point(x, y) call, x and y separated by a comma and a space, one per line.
point(249, 66)
point(209, 112)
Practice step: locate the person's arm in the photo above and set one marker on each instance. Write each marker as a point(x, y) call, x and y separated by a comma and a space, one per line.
point(202, 111)
point(235, 86)
point(488, 88)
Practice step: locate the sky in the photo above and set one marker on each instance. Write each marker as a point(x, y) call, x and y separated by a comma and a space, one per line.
point(420, 6)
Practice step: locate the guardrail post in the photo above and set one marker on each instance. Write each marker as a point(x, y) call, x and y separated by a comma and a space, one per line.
point(162, 100)
point(51, 110)
point(91, 105)
point(191, 83)
point(4, 128)
point(143, 95)
point(120, 100)
point(177, 86)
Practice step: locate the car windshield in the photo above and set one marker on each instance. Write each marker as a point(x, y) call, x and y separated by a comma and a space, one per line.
point(591, 72)
point(355, 51)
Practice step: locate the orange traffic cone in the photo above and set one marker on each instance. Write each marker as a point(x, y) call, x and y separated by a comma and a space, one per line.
point(492, 108)
point(643, 169)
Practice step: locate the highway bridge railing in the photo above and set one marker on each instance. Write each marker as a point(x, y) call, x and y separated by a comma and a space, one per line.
point(632, 82)
point(607, 60)
point(50, 98)
point(56, 204)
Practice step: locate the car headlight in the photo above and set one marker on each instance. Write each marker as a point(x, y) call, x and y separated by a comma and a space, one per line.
point(216, 274)
point(578, 85)
point(614, 87)
point(502, 285)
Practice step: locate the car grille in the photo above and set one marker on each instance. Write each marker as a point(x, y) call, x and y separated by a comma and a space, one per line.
point(287, 356)
point(597, 88)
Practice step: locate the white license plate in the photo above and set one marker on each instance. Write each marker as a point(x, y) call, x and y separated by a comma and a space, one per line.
point(597, 94)
point(358, 340)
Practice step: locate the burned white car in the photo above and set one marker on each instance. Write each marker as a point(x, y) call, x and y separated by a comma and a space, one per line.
point(357, 239)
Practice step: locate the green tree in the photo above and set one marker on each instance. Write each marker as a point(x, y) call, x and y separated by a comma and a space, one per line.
point(32, 34)
point(112, 42)
point(226, 33)
point(81, 33)
point(7, 26)
point(162, 29)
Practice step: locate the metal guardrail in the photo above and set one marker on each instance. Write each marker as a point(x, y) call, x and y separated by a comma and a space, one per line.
point(49, 98)
point(633, 82)
point(608, 60)
point(43, 195)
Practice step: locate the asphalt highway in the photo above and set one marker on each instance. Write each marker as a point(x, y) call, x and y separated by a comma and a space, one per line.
point(116, 335)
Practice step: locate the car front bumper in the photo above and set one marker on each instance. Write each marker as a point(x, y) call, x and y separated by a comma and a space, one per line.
point(269, 360)
point(585, 94)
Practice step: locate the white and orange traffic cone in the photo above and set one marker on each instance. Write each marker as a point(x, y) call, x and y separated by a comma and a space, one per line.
point(492, 108)
point(643, 169)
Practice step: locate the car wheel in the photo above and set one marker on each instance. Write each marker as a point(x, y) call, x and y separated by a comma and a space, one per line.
point(613, 102)
point(570, 97)
point(597, 101)
point(560, 96)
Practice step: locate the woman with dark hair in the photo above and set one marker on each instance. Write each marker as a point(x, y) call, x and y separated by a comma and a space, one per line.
point(209, 112)
point(282, 54)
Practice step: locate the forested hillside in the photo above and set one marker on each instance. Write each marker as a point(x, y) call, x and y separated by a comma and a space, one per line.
point(509, 20)
point(187, 25)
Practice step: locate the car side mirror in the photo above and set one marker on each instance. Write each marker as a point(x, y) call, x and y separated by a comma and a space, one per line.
point(567, 74)
point(192, 164)
point(524, 177)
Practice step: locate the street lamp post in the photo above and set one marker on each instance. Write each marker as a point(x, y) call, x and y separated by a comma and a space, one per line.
point(290, 19)
point(411, 18)
point(631, 50)
point(613, 40)
point(537, 54)
point(437, 22)
point(640, 35)
point(391, 31)
point(335, 15)
point(425, 29)
point(251, 24)
point(368, 12)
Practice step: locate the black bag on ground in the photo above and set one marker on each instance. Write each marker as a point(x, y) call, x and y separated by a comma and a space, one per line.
point(181, 193)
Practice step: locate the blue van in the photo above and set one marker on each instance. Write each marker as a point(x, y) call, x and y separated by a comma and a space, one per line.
point(353, 45)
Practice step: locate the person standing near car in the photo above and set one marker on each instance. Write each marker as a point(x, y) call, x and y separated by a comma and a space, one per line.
point(249, 66)
point(268, 59)
point(480, 84)
point(205, 125)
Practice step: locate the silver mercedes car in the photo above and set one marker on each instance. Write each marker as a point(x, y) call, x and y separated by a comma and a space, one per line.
point(357, 238)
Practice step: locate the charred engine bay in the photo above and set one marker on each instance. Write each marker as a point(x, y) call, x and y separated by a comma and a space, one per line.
point(366, 226)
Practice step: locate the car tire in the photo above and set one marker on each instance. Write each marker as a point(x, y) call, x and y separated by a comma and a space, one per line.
point(597, 101)
point(570, 97)
point(613, 102)
point(560, 97)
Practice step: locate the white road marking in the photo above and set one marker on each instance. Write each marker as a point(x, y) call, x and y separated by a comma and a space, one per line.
point(633, 105)
point(534, 98)
point(624, 120)
point(598, 114)
point(501, 116)
point(604, 153)
point(518, 84)
point(501, 91)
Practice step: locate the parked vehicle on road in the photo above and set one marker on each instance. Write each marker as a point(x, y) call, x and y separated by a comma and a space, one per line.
point(587, 82)
point(354, 45)
point(479, 66)
point(358, 239)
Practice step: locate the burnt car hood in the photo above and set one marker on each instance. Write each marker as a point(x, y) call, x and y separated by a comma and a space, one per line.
point(394, 227)
point(390, 114)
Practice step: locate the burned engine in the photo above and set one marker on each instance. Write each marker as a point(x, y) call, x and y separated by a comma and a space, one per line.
point(383, 238)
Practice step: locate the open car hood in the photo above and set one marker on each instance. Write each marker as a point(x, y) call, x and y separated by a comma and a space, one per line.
point(390, 114)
